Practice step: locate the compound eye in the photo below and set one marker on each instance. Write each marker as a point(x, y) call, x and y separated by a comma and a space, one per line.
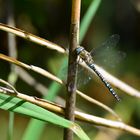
point(79, 50)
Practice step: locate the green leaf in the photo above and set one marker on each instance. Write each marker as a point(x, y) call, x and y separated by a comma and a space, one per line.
point(18, 105)
point(36, 125)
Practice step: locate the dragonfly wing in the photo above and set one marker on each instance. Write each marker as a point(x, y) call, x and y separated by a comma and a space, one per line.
point(83, 76)
point(107, 54)
point(110, 43)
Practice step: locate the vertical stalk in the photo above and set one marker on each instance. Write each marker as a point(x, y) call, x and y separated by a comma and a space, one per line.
point(13, 53)
point(72, 66)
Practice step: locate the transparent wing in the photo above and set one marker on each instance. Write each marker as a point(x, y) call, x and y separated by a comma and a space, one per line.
point(83, 76)
point(107, 54)
point(110, 43)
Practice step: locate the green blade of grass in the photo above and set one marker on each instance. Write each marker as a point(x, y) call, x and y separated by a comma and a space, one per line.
point(34, 126)
point(38, 126)
point(88, 18)
point(10, 126)
point(18, 105)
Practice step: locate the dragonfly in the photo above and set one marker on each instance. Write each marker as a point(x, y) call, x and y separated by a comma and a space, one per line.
point(88, 59)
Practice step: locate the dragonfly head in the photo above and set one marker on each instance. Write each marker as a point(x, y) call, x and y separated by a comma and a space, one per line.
point(79, 50)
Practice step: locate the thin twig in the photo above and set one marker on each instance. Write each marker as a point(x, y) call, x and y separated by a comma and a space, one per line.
point(99, 104)
point(52, 77)
point(114, 81)
point(31, 37)
point(42, 89)
point(109, 77)
point(119, 84)
point(91, 119)
point(9, 85)
point(25, 76)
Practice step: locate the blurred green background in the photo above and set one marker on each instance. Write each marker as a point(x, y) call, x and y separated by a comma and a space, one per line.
point(50, 19)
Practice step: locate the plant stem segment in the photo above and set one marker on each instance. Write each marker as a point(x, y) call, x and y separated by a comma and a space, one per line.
point(72, 66)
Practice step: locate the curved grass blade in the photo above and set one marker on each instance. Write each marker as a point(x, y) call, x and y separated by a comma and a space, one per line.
point(18, 105)
point(85, 23)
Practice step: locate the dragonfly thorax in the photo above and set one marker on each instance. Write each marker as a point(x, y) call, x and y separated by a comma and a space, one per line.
point(85, 55)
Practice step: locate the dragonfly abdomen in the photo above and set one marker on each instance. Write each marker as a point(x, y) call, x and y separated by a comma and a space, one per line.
point(104, 81)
